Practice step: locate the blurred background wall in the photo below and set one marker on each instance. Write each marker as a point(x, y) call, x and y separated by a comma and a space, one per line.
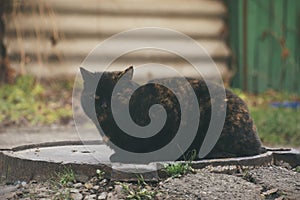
point(255, 44)
point(265, 40)
point(49, 38)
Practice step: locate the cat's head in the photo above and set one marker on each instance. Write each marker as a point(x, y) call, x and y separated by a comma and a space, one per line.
point(97, 90)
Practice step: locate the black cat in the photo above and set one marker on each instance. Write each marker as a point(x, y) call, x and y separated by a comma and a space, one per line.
point(238, 136)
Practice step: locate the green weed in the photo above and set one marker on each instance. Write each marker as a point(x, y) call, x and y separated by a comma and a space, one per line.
point(141, 180)
point(66, 176)
point(176, 170)
point(137, 192)
point(100, 174)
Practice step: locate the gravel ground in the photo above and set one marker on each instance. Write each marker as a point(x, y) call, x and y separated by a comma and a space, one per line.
point(203, 185)
point(282, 181)
point(272, 182)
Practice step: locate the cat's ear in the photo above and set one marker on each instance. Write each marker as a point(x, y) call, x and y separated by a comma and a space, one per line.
point(128, 72)
point(86, 75)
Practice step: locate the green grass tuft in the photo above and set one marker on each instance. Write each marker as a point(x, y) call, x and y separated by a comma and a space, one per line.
point(176, 170)
point(65, 177)
point(138, 192)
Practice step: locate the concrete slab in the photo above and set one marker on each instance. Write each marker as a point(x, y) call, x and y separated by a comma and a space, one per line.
point(41, 161)
point(64, 154)
point(39, 153)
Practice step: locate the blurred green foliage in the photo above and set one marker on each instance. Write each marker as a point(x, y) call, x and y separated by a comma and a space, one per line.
point(276, 126)
point(26, 102)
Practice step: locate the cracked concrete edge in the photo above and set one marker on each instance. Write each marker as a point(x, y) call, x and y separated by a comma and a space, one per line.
point(13, 169)
point(259, 160)
point(292, 157)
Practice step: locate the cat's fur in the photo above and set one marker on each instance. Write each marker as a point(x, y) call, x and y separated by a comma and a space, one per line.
point(238, 138)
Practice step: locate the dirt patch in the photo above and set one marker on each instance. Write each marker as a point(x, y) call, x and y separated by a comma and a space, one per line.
point(278, 181)
point(271, 182)
point(203, 185)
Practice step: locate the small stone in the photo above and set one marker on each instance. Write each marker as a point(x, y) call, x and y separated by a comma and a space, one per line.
point(85, 192)
point(77, 185)
point(12, 196)
point(70, 184)
point(81, 178)
point(24, 184)
point(33, 182)
point(73, 190)
point(269, 192)
point(90, 197)
point(148, 187)
point(110, 196)
point(25, 191)
point(118, 189)
point(19, 193)
point(42, 195)
point(102, 196)
point(96, 187)
point(159, 196)
point(110, 187)
point(58, 193)
point(103, 182)
point(280, 198)
point(93, 180)
point(76, 196)
point(17, 182)
point(88, 185)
